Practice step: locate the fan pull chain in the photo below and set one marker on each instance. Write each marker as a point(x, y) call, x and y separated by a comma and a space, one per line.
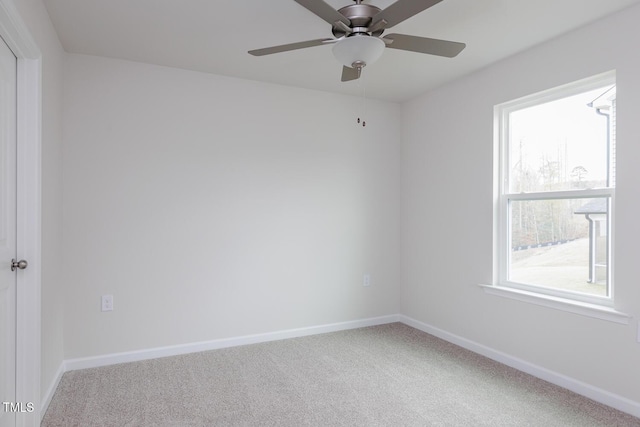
point(364, 103)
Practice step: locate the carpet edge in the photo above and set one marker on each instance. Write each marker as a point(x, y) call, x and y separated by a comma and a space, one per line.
point(46, 399)
point(605, 397)
point(176, 350)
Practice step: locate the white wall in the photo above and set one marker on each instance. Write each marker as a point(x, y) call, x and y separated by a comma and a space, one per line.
point(447, 211)
point(212, 207)
point(37, 20)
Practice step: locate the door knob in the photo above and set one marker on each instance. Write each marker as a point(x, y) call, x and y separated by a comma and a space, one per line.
point(22, 264)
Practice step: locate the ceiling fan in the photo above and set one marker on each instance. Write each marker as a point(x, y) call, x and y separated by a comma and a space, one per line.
point(358, 32)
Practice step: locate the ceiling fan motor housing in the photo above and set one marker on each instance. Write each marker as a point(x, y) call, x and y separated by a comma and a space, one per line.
point(360, 16)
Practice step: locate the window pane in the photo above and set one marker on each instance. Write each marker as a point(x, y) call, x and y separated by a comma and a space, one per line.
point(561, 244)
point(561, 145)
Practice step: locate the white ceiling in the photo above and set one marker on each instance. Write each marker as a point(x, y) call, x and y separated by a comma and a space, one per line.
point(214, 37)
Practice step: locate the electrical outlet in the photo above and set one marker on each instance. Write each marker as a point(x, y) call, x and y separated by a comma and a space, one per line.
point(107, 302)
point(366, 280)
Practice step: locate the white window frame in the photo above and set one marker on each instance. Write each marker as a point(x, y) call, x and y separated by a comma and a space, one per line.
point(556, 298)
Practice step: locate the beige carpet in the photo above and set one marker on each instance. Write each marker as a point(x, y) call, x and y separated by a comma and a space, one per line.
point(389, 375)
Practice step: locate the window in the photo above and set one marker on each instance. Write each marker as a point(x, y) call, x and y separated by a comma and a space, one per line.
point(555, 191)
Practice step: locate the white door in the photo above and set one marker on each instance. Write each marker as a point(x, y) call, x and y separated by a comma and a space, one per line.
point(8, 227)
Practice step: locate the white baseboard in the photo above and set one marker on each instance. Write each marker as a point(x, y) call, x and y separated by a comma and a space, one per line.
point(175, 350)
point(46, 399)
point(599, 395)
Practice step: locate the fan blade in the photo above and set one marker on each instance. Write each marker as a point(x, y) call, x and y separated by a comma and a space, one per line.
point(290, 46)
point(401, 10)
point(349, 74)
point(324, 11)
point(424, 45)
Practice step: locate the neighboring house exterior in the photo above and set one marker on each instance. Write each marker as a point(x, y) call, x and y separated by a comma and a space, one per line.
point(597, 210)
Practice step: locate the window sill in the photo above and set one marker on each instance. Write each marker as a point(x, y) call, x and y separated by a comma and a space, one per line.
point(576, 307)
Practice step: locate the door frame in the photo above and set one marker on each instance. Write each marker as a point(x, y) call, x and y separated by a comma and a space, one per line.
point(29, 130)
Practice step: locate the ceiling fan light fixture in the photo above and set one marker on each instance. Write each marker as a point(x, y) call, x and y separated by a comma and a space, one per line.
point(358, 49)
